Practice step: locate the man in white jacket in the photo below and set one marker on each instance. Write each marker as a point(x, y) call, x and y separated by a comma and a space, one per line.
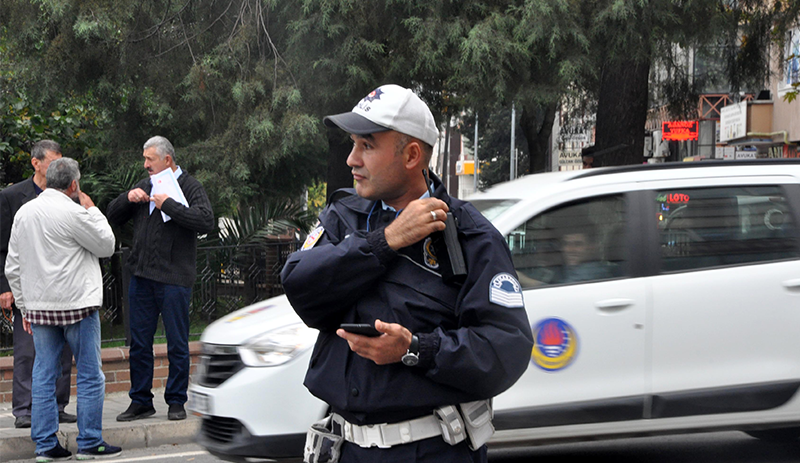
point(54, 274)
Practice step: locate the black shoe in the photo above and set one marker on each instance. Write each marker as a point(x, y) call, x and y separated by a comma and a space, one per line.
point(176, 412)
point(22, 422)
point(57, 453)
point(64, 417)
point(101, 451)
point(136, 412)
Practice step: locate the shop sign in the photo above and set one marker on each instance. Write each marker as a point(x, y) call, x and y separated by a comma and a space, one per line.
point(746, 154)
point(570, 157)
point(733, 122)
point(679, 130)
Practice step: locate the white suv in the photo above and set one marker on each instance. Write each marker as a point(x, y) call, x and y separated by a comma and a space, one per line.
point(663, 299)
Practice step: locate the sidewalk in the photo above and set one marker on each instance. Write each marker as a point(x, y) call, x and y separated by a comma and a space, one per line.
point(16, 444)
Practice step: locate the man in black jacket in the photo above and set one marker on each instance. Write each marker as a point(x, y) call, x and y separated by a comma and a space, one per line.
point(11, 199)
point(442, 342)
point(162, 265)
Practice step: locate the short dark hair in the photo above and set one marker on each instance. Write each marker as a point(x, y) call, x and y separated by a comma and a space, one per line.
point(403, 140)
point(61, 173)
point(41, 147)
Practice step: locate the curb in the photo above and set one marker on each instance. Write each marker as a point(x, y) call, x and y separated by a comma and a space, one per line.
point(131, 436)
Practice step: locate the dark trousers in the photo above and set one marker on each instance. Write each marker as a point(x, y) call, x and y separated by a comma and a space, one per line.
point(433, 450)
point(24, 354)
point(148, 299)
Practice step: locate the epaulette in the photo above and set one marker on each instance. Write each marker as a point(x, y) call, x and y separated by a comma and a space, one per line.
point(339, 194)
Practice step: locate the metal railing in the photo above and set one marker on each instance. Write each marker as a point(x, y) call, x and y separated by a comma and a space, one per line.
point(228, 278)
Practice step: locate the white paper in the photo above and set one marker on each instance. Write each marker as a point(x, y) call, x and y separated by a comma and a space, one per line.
point(166, 183)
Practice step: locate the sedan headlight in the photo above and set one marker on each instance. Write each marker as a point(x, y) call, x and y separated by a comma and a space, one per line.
point(277, 346)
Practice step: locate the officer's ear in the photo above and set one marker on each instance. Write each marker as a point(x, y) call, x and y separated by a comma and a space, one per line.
point(413, 156)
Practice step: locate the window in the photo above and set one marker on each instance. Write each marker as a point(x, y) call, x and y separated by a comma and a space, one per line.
point(492, 208)
point(578, 242)
point(711, 227)
point(791, 64)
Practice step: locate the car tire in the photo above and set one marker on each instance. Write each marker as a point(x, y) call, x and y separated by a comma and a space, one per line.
point(776, 435)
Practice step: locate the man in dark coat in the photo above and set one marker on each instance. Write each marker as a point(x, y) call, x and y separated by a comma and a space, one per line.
point(11, 199)
point(162, 263)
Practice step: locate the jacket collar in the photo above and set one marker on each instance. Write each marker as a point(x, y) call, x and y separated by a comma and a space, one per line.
point(363, 206)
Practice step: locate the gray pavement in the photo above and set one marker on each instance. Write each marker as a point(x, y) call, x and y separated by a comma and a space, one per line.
point(156, 430)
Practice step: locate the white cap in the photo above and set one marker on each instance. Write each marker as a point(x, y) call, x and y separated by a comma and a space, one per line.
point(389, 107)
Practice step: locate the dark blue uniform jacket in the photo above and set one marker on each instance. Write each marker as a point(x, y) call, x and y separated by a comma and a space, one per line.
point(470, 348)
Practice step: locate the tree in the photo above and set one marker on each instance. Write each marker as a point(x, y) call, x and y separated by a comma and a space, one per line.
point(494, 142)
point(628, 36)
point(343, 49)
point(527, 52)
point(208, 75)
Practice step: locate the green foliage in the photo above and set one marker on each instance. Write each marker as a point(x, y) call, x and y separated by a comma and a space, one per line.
point(254, 224)
point(317, 194)
point(494, 144)
point(75, 127)
point(207, 75)
point(240, 86)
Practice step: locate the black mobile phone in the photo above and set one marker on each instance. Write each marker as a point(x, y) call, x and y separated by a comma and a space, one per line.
point(363, 329)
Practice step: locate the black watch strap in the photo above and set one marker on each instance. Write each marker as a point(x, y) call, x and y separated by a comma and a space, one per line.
point(411, 357)
point(414, 347)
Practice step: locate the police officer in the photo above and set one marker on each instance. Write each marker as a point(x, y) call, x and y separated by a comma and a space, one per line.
point(372, 260)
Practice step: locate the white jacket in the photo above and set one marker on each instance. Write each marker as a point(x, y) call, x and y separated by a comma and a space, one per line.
point(53, 253)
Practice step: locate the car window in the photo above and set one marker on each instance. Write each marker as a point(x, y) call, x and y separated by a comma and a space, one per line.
point(492, 208)
point(578, 242)
point(710, 227)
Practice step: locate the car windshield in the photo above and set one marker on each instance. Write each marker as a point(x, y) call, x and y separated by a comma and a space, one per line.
point(492, 208)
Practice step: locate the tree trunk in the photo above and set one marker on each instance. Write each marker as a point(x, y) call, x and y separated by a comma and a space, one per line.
point(536, 123)
point(622, 113)
point(339, 175)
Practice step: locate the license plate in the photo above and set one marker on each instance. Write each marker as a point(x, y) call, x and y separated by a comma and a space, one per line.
point(200, 403)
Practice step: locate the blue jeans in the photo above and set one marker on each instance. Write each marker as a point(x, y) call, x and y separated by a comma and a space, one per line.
point(84, 339)
point(148, 299)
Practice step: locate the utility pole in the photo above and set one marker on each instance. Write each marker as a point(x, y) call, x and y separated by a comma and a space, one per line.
point(446, 159)
point(475, 158)
point(513, 156)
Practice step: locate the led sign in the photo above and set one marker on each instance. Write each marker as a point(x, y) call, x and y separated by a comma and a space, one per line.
point(679, 130)
point(673, 198)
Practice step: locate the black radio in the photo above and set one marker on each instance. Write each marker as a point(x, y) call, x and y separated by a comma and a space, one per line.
point(447, 247)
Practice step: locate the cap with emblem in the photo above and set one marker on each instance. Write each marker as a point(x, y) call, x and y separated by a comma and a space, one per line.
point(389, 107)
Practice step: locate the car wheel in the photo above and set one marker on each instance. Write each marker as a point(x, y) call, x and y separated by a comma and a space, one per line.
point(776, 435)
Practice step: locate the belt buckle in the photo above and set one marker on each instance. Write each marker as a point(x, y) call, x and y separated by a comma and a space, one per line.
point(373, 436)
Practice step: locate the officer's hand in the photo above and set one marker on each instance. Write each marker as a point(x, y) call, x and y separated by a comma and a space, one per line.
point(137, 195)
point(384, 349)
point(419, 219)
point(6, 299)
point(159, 199)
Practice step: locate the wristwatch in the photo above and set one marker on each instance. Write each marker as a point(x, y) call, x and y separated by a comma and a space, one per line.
point(411, 357)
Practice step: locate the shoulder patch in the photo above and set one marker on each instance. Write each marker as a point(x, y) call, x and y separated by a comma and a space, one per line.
point(505, 290)
point(312, 238)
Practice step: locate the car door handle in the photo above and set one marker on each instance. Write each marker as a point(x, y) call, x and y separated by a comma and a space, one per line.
point(792, 284)
point(611, 305)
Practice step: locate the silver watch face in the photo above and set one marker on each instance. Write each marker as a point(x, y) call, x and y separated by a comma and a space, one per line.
point(410, 359)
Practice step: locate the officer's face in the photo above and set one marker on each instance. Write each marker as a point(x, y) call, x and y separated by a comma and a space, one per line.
point(377, 166)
